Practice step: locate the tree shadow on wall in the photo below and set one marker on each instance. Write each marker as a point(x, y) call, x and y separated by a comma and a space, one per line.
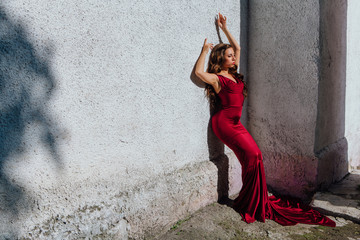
point(26, 84)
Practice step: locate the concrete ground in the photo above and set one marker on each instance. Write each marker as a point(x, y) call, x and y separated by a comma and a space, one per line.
point(219, 222)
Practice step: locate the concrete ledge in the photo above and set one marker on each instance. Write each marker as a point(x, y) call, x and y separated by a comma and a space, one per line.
point(109, 210)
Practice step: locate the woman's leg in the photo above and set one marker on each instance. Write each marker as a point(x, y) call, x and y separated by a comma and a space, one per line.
point(253, 199)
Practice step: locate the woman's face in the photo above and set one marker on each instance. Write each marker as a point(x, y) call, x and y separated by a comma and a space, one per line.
point(229, 58)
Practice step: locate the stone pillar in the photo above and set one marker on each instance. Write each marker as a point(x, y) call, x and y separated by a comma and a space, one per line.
point(289, 82)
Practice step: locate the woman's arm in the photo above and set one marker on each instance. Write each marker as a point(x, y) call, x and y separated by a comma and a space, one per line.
point(221, 21)
point(209, 78)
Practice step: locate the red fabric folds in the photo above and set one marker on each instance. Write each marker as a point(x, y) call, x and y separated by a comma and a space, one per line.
point(253, 202)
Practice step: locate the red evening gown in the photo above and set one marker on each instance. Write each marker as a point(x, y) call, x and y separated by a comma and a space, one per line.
point(253, 202)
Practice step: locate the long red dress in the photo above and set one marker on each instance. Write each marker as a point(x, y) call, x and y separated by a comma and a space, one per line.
point(253, 202)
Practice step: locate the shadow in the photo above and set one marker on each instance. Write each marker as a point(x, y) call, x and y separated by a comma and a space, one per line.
point(26, 85)
point(217, 156)
point(348, 187)
point(221, 161)
point(244, 33)
point(217, 29)
point(244, 44)
point(197, 81)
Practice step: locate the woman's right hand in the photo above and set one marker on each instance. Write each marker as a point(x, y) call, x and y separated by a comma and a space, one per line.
point(221, 21)
point(207, 46)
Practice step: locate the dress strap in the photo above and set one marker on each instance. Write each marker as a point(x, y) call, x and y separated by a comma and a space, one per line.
point(221, 80)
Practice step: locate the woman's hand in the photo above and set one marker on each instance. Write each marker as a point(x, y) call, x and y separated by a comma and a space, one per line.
point(207, 46)
point(221, 21)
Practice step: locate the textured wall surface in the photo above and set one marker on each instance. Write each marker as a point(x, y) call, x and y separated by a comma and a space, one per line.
point(352, 113)
point(283, 87)
point(102, 131)
point(297, 91)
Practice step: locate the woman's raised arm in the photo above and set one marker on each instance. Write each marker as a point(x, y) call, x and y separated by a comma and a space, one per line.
point(209, 78)
point(221, 21)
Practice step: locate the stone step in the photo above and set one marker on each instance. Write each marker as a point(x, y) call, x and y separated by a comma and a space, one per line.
point(342, 199)
point(337, 206)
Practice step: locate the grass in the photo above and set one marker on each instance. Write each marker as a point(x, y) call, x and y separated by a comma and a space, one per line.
point(178, 223)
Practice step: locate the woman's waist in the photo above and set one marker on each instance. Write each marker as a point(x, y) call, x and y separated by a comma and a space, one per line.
point(233, 109)
point(230, 112)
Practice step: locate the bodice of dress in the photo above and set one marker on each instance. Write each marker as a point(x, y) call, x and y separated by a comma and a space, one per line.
point(231, 95)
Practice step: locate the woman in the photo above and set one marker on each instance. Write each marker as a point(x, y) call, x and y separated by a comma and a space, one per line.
point(225, 85)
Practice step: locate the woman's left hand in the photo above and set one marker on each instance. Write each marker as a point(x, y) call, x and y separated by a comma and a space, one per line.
point(221, 21)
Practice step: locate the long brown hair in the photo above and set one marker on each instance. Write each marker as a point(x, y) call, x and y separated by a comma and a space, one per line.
point(216, 60)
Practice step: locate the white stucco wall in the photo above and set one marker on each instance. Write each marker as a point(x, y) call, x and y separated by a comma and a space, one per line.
point(107, 133)
point(352, 110)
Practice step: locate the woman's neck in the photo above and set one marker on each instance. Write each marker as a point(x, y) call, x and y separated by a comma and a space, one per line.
point(224, 72)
